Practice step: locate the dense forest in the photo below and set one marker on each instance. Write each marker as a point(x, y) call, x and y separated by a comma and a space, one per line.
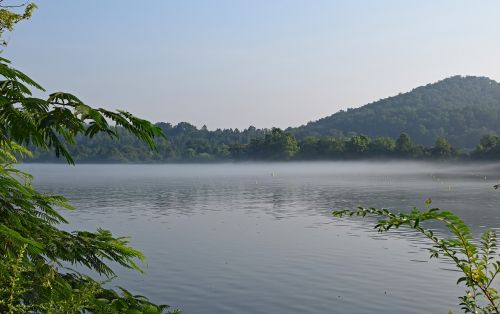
point(453, 118)
point(461, 109)
point(186, 143)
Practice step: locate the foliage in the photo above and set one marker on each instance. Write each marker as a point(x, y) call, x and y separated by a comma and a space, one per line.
point(28, 287)
point(275, 145)
point(404, 144)
point(488, 148)
point(443, 149)
point(199, 145)
point(9, 17)
point(428, 122)
point(358, 144)
point(479, 263)
point(461, 109)
point(33, 250)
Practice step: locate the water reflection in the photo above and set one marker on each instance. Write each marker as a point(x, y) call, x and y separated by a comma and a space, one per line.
point(223, 238)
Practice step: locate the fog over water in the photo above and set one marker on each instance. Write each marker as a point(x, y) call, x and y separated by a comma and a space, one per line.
point(260, 238)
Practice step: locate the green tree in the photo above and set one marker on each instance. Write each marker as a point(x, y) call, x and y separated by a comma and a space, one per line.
point(488, 147)
point(404, 145)
point(331, 148)
point(276, 145)
point(443, 149)
point(309, 148)
point(382, 146)
point(34, 249)
point(358, 145)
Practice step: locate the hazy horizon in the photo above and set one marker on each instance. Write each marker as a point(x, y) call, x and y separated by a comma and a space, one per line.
point(228, 64)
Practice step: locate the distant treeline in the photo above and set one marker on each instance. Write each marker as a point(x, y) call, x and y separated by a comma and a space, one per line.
point(186, 143)
point(460, 109)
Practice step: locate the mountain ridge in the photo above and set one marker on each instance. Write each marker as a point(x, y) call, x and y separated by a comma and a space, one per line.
point(460, 108)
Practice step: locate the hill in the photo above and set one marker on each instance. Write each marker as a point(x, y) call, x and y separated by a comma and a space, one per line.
point(458, 110)
point(461, 109)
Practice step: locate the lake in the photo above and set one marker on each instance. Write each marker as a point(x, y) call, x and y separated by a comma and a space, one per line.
point(260, 238)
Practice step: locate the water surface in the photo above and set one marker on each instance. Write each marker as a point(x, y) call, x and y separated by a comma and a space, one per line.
point(260, 238)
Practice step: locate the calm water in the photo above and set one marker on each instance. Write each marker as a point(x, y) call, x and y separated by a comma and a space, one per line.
point(259, 238)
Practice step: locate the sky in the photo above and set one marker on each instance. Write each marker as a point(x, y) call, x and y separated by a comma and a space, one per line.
point(266, 63)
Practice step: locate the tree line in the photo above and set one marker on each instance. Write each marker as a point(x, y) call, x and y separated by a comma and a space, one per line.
point(460, 109)
point(186, 143)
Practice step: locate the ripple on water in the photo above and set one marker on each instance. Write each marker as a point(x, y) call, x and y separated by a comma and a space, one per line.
point(234, 239)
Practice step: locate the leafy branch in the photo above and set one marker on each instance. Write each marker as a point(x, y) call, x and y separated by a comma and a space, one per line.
point(478, 263)
point(32, 247)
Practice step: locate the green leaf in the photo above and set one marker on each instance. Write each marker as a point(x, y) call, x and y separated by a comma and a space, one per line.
point(428, 202)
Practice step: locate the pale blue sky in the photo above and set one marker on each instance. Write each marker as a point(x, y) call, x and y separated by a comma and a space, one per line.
point(264, 63)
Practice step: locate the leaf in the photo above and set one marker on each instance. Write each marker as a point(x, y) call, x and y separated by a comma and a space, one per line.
point(461, 279)
point(33, 247)
point(428, 202)
point(150, 309)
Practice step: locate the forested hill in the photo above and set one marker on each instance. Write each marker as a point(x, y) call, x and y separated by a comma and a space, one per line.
point(461, 109)
point(422, 123)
